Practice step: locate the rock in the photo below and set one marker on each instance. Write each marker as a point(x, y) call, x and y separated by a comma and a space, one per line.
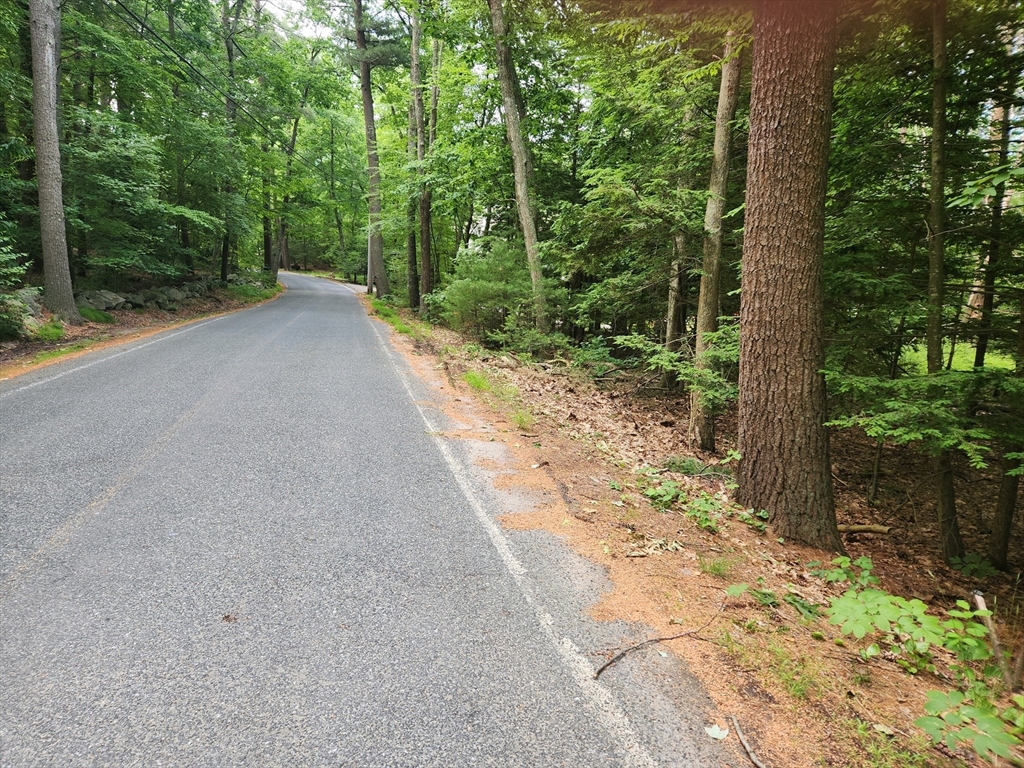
point(30, 298)
point(175, 295)
point(83, 303)
point(31, 325)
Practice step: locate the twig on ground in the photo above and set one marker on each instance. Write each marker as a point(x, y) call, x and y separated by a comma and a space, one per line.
point(632, 648)
point(746, 746)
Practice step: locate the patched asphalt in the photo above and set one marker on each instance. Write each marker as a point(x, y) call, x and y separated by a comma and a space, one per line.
point(244, 542)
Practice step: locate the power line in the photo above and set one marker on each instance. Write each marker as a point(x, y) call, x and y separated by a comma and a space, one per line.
point(268, 132)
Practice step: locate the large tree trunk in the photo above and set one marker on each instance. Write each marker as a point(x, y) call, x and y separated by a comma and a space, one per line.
point(411, 255)
point(419, 119)
point(702, 421)
point(782, 435)
point(229, 26)
point(950, 541)
point(376, 274)
point(520, 161)
point(44, 20)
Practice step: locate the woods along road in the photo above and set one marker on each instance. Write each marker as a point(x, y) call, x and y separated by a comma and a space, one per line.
point(247, 541)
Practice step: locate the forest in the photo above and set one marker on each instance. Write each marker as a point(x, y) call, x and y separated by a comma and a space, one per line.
point(804, 214)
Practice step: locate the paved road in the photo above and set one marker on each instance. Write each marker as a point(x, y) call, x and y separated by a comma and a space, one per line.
point(243, 543)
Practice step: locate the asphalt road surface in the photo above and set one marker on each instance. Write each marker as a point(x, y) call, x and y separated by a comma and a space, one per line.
point(245, 542)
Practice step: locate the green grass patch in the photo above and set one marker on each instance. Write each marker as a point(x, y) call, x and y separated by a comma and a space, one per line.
point(252, 294)
point(95, 315)
point(389, 315)
point(477, 381)
point(795, 674)
point(915, 359)
point(52, 331)
point(522, 419)
point(52, 354)
point(719, 567)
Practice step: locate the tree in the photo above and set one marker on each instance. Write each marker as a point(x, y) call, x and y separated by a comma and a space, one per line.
point(950, 541)
point(702, 422)
point(376, 273)
point(44, 18)
point(783, 440)
point(521, 164)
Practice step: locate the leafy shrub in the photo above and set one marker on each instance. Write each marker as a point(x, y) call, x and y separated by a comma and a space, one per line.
point(844, 571)
point(714, 384)
point(11, 270)
point(490, 286)
point(594, 354)
point(933, 411)
point(971, 718)
point(13, 312)
point(973, 565)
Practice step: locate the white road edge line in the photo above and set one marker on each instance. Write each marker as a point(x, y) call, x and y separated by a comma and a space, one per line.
point(614, 720)
point(109, 357)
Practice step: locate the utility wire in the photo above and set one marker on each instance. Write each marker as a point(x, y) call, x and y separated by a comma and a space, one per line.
point(240, 103)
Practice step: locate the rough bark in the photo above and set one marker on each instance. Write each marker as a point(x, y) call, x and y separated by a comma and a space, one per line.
point(411, 255)
point(229, 25)
point(520, 160)
point(675, 314)
point(702, 421)
point(44, 19)
point(376, 274)
point(950, 540)
point(785, 447)
point(424, 204)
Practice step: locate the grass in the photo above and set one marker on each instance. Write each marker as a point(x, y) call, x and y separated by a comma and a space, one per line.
point(719, 567)
point(477, 381)
point(880, 750)
point(51, 354)
point(502, 390)
point(915, 358)
point(51, 331)
point(252, 294)
point(794, 674)
point(392, 318)
point(522, 419)
point(684, 465)
point(95, 315)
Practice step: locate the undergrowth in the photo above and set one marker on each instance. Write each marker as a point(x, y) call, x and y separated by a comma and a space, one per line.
point(253, 294)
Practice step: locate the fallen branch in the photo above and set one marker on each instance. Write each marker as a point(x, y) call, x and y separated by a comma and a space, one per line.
point(997, 648)
point(746, 746)
point(863, 528)
point(632, 648)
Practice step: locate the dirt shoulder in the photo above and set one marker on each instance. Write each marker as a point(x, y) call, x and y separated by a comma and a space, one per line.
point(797, 686)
